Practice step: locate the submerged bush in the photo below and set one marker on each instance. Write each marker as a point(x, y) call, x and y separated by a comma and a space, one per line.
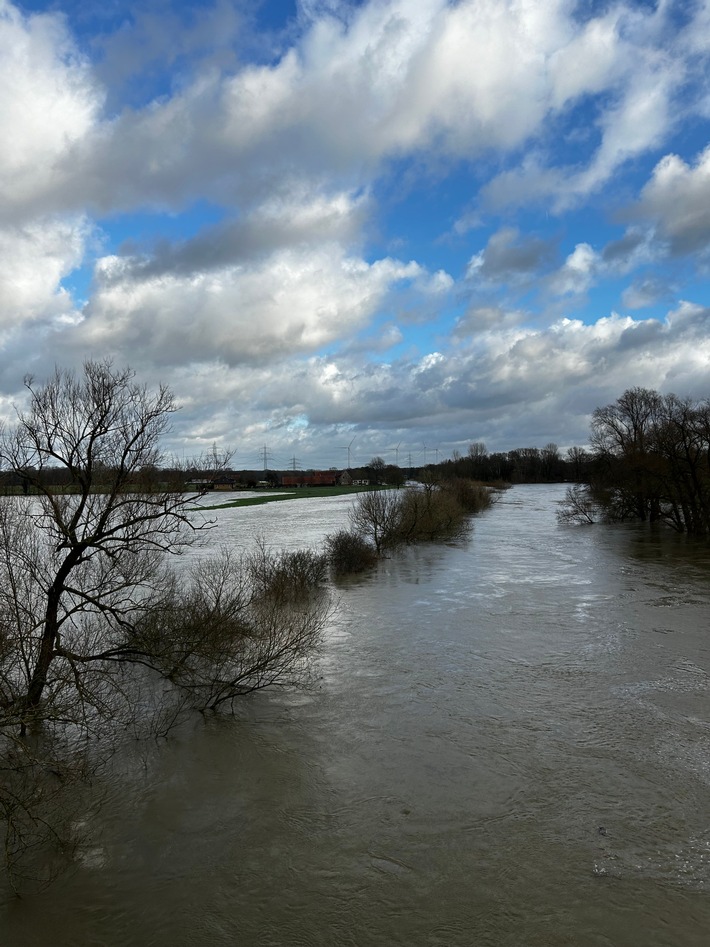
point(430, 515)
point(348, 553)
point(286, 574)
point(473, 497)
point(236, 625)
point(218, 628)
point(386, 519)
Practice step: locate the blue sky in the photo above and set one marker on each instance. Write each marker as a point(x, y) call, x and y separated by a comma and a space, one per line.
point(404, 222)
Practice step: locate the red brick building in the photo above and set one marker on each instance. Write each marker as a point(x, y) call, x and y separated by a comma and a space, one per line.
point(311, 478)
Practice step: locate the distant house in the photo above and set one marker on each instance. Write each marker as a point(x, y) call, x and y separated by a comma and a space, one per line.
point(223, 482)
point(356, 478)
point(346, 479)
point(310, 478)
point(226, 482)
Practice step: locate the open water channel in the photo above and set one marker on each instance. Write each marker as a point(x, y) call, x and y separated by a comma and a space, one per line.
point(508, 744)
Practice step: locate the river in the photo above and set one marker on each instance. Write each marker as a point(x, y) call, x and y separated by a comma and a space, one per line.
point(508, 744)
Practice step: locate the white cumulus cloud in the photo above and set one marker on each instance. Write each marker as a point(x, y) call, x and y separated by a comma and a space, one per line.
point(48, 106)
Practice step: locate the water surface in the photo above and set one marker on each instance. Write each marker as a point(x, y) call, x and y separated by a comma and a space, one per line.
point(508, 744)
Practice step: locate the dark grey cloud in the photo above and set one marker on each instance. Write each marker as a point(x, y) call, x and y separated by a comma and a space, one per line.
point(640, 335)
point(312, 222)
point(511, 257)
point(479, 319)
point(620, 251)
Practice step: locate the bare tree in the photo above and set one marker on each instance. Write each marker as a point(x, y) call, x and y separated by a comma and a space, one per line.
point(94, 549)
point(387, 519)
point(98, 635)
point(477, 456)
point(622, 436)
point(377, 516)
point(578, 506)
point(550, 461)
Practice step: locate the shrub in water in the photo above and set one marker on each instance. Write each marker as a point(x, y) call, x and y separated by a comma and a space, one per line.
point(286, 574)
point(473, 497)
point(429, 515)
point(348, 552)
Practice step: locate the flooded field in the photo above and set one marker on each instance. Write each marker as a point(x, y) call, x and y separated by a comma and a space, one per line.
point(507, 744)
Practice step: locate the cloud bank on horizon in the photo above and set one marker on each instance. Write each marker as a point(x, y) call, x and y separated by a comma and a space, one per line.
point(407, 222)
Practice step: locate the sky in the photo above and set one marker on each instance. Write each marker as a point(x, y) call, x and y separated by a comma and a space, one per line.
point(353, 229)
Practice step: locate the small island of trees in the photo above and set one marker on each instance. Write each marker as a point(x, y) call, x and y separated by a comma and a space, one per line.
point(650, 462)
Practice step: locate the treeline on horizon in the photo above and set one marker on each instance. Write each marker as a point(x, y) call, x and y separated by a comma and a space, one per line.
point(522, 465)
point(649, 459)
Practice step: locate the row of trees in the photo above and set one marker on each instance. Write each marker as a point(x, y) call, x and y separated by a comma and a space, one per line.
point(651, 462)
point(382, 521)
point(522, 465)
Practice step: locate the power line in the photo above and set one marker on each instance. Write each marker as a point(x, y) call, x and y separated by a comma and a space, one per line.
point(265, 456)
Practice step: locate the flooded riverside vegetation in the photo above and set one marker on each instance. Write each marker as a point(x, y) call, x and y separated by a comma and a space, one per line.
point(507, 744)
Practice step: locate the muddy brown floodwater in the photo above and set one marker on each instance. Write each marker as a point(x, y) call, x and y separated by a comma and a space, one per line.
point(508, 744)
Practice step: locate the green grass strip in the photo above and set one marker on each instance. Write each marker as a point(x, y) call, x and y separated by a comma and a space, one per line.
point(302, 493)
